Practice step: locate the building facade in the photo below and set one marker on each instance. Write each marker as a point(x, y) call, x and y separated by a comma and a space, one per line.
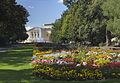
point(39, 34)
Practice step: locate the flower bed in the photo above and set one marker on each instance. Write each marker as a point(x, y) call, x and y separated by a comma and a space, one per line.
point(80, 64)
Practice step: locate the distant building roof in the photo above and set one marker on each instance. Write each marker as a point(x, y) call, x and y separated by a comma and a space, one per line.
point(33, 28)
point(45, 26)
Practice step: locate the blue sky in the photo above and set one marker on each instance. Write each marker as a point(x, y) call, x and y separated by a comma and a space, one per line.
point(42, 11)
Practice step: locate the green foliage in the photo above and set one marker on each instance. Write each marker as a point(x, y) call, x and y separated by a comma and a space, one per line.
point(111, 10)
point(68, 2)
point(13, 18)
point(55, 35)
point(82, 21)
point(89, 20)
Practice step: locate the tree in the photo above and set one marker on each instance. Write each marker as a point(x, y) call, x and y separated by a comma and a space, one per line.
point(95, 21)
point(68, 3)
point(55, 35)
point(111, 9)
point(84, 22)
point(13, 18)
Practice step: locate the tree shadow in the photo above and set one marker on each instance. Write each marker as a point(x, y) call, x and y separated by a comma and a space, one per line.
point(16, 76)
point(16, 58)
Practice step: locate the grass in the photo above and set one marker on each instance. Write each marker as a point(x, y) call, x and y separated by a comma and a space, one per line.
point(15, 68)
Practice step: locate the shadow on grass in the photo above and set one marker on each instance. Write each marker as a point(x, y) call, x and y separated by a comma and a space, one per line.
point(17, 76)
point(7, 75)
point(16, 58)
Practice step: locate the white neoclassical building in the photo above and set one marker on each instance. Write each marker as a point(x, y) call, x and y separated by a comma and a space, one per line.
point(39, 34)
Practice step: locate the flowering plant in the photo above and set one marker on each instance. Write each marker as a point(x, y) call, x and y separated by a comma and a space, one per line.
point(78, 64)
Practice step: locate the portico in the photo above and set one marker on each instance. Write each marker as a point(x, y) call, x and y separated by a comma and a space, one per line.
point(39, 34)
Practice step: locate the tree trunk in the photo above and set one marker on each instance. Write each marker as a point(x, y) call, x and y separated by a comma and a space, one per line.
point(108, 38)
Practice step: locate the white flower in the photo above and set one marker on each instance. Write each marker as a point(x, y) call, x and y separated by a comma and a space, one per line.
point(118, 55)
point(78, 65)
point(89, 53)
point(113, 54)
point(84, 63)
point(115, 39)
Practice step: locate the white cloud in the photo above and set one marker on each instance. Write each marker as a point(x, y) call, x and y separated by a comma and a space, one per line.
point(31, 7)
point(60, 1)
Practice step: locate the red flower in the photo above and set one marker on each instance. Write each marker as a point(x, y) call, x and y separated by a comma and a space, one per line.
point(68, 59)
point(114, 64)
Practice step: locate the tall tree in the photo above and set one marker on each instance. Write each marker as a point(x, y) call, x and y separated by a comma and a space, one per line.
point(13, 18)
point(90, 20)
point(84, 21)
point(56, 35)
point(111, 9)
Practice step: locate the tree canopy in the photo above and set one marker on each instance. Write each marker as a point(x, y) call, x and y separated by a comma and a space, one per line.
point(87, 21)
point(13, 18)
point(111, 9)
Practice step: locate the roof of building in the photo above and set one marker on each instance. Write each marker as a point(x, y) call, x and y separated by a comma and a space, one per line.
point(33, 28)
point(45, 26)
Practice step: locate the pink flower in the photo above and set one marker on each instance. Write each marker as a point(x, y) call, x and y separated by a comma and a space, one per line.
point(42, 61)
point(33, 62)
point(94, 65)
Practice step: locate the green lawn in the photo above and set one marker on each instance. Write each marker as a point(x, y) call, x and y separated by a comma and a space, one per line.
point(15, 68)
